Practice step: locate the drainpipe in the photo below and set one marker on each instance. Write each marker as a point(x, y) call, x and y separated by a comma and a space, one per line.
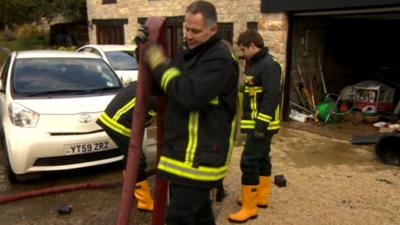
point(157, 33)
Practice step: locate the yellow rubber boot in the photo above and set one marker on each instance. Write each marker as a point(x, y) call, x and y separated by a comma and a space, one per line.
point(143, 196)
point(249, 205)
point(263, 191)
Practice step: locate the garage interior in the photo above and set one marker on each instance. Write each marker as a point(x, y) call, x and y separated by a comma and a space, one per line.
point(330, 51)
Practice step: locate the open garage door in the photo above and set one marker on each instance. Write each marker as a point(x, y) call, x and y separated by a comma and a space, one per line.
point(332, 52)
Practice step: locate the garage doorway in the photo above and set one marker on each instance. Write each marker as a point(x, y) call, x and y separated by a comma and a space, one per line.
point(331, 51)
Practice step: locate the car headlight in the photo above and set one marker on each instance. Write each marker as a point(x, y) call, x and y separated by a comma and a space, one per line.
point(22, 117)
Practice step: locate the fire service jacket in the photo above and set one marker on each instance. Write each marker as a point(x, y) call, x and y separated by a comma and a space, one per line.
point(117, 117)
point(262, 94)
point(201, 88)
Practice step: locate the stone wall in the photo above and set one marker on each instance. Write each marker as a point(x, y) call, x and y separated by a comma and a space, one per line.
point(273, 27)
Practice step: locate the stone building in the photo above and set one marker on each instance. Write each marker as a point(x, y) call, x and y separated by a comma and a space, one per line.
point(322, 45)
point(115, 21)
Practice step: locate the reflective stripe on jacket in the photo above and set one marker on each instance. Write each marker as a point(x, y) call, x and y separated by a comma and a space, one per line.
point(201, 85)
point(117, 117)
point(262, 96)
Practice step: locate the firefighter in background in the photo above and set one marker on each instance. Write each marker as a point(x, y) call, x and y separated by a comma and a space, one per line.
point(201, 89)
point(116, 120)
point(260, 120)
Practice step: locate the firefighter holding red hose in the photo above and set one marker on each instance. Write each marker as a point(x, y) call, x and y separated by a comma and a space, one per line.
point(201, 88)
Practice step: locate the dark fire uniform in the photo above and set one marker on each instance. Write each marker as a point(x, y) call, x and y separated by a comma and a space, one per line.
point(261, 103)
point(116, 120)
point(201, 88)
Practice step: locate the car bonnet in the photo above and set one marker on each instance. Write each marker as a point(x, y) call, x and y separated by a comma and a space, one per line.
point(64, 106)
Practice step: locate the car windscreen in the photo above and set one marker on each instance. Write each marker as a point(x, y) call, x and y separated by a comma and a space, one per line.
point(42, 76)
point(120, 60)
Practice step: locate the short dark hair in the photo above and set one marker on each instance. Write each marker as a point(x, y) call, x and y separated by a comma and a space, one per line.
point(250, 36)
point(204, 8)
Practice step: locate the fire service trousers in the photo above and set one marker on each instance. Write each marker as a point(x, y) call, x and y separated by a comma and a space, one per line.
point(123, 144)
point(189, 206)
point(256, 160)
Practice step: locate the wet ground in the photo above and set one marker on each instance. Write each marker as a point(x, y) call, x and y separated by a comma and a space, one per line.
point(330, 181)
point(89, 206)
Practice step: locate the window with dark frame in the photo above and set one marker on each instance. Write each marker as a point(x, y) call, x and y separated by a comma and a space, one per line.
point(174, 35)
point(225, 31)
point(109, 2)
point(174, 26)
point(110, 31)
point(110, 34)
point(252, 26)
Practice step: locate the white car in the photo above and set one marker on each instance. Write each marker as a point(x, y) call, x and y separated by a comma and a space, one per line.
point(120, 57)
point(49, 103)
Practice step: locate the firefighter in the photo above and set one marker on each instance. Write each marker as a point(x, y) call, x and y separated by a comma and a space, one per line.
point(201, 88)
point(116, 120)
point(260, 120)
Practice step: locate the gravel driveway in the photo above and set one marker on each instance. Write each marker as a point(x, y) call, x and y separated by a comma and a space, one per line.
point(329, 181)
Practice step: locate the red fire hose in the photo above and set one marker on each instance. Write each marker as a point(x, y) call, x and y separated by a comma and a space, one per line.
point(54, 190)
point(157, 33)
point(160, 198)
point(64, 188)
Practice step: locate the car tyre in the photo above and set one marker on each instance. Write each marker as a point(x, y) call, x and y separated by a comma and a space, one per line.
point(13, 177)
point(6, 162)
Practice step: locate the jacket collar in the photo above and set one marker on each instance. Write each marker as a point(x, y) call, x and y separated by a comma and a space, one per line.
point(259, 55)
point(214, 39)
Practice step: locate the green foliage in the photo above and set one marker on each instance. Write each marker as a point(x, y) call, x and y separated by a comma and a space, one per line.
point(14, 35)
point(74, 10)
point(3, 57)
point(16, 12)
point(29, 31)
point(70, 48)
point(27, 44)
point(7, 35)
point(22, 44)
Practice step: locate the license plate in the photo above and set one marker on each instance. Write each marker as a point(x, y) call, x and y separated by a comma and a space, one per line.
point(86, 148)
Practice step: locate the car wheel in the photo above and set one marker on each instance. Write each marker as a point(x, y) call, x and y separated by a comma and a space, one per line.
point(12, 177)
point(6, 162)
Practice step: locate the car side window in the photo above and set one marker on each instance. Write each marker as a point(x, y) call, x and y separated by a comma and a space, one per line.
point(4, 73)
point(86, 50)
point(94, 51)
